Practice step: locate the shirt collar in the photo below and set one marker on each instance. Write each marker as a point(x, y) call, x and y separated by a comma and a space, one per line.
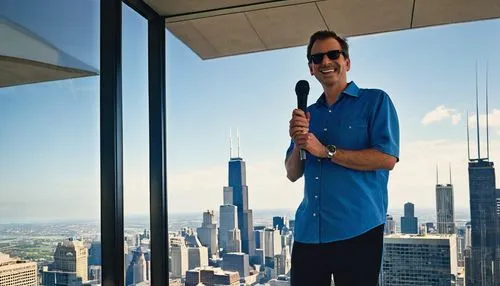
point(351, 89)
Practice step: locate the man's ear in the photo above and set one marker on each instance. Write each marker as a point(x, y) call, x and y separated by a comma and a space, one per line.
point(348, 64)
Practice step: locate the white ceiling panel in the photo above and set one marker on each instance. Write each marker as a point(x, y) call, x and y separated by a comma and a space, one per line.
point(438, 12)
point(286, 26)
point(229, 34)
point(360, 17)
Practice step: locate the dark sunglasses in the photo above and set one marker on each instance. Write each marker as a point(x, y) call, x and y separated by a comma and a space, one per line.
point(332, 55)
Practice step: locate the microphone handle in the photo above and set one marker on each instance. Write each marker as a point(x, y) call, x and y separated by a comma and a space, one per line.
point(302, 154)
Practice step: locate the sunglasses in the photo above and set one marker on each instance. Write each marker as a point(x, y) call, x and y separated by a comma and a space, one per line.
point(332, 55)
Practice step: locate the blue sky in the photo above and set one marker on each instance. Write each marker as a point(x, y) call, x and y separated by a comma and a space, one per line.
point(49, 136)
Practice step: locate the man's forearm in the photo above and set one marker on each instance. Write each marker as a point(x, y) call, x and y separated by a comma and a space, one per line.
point(364, 160)
point(294, 166)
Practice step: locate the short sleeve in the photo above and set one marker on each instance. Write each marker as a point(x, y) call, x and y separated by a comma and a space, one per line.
point(384, 127)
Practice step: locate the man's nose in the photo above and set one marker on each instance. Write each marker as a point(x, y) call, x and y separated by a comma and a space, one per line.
point(325, 60)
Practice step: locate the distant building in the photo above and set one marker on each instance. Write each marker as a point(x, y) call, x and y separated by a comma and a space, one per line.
point(197, 257)
point(233, 241)
point(445, 207)
point(17, 272)
point(211, 276)
point(59, 278)
point(228, 221)
point(208, 232)
point(95, 253)
point(179, 253)
point(279, 222)
point(272, 243)
point(390, 225)
point(419, 260)
point(72, 256)
point(95, 272)
point(409, 223)
point(237, 261)
point(137, 269)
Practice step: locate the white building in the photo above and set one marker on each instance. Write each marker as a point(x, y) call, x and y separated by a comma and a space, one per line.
point(419, 260)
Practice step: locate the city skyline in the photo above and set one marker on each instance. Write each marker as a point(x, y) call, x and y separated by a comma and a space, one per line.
point(51, 151)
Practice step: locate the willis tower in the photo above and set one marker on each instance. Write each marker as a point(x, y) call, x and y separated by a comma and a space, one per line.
point(238, 185)
point(483, 262)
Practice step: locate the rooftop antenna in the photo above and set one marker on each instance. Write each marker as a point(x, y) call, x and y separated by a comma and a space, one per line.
point(449, 166)
point(468, 137)
point(487, 115)
point(238, 138)
point(477, 120)
point(437, 175)
point(230, 144)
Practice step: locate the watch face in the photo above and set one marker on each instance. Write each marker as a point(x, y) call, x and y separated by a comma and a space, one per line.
point(331, 148)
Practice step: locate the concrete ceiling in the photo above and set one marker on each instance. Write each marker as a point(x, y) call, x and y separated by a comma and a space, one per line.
point(219, 28)
point(26, 58)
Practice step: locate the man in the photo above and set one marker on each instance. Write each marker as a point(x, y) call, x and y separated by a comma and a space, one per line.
point(351, 136)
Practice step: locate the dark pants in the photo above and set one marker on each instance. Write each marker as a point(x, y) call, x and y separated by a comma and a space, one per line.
point(352, 262)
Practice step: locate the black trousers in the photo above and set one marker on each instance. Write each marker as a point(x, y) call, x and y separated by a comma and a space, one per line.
point(352, 262)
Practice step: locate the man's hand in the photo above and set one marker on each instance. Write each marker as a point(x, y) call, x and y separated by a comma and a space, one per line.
point(299, 124)
point(310, 143)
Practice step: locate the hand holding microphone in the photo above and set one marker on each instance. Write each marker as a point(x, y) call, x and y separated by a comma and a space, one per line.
point(299, 124)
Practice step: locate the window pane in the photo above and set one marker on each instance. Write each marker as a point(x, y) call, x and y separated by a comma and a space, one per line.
point(135, 146)
point(49, 130)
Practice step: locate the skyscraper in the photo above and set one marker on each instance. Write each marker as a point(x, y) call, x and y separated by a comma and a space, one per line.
point(197, 257)
point(237, 261)
point(390, 225)
point(72, 256)
point(233, 240)
point(228, 217)
point(237, 181)
point(445, 206)
point(136, 271)
point(208, 232)
point(180, 257)
point(484, 261)
point(17, 272)
point(409, 223)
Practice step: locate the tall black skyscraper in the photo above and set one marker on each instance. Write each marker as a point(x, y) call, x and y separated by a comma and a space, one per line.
point(484, 261)
point(237, 181)
point(409, 223)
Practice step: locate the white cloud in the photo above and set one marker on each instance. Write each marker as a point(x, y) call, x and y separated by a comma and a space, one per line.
point(493, 120)
point(439, 113)
point(455, 118)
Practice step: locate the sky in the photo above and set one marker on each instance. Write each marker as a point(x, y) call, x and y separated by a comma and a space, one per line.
point(49, 132)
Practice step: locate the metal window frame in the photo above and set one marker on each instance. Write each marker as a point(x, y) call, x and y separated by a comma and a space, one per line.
point(111, 143)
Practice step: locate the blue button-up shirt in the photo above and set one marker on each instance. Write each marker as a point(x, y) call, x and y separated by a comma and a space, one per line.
point(341, 203)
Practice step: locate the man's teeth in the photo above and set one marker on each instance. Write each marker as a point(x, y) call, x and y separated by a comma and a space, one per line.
point(327, 71)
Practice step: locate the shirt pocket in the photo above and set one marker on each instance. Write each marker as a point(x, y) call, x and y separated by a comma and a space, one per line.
point(354, 134)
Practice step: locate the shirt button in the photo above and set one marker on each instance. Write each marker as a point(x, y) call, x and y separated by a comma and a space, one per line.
point(317, 178)
point(350, 127)
point(319, 160)
point(316, 196)
point(314, 214)
point(326, 129)
point(329, 111)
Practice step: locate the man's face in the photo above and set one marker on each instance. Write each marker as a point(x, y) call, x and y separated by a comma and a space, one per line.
point(329, 72)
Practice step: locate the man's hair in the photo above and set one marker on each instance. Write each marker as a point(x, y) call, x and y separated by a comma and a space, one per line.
point(323, 35)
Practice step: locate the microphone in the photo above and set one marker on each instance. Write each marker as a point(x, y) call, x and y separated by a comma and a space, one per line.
point(302, 90)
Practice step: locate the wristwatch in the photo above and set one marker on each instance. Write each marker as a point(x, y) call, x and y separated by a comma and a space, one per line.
point(331, 150)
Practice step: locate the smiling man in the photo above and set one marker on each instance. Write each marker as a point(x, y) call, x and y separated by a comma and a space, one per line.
point(351, 135)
